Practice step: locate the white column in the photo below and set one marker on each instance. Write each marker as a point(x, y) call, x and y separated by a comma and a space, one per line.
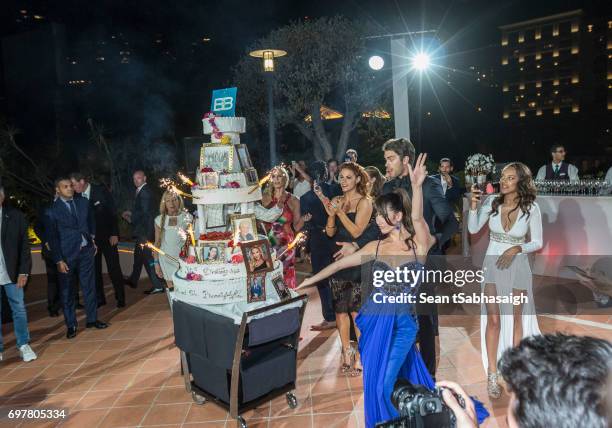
point(400, 67)
point(201, 219)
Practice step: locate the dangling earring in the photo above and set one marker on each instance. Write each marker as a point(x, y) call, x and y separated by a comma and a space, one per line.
point(398, 226)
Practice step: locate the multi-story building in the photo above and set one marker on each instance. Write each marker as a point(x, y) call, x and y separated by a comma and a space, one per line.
point(556, 82)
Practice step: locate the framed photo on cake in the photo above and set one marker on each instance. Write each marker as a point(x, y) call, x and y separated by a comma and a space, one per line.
point(251, 176)
point(219, 157)
point(281, 287)
point(257, 256)
point(243, 156)
point(256, 287)
point(212, 251)
point(244, 227)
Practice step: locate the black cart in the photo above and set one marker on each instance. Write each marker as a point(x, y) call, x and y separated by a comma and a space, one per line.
point(239, 366)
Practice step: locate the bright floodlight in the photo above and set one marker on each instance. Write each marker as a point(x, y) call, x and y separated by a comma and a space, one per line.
point(376, 62)
point(421, 61)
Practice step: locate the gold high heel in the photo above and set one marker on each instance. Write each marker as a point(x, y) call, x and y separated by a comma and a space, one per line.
point(493, 388)
point(347, 355)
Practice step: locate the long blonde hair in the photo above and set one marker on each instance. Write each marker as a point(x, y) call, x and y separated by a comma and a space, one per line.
point(268, 190)
point(164, 212)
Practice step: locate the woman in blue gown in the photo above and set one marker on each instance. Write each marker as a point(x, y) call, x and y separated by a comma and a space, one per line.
point(388, 329)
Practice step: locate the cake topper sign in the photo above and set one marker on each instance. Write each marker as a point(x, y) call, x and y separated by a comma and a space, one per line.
point(224, 102)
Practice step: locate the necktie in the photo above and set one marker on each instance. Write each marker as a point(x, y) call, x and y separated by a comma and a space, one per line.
point(72, 208)
point(557, 169)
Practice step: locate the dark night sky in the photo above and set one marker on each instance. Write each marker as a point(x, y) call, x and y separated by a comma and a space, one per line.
point(191, 68)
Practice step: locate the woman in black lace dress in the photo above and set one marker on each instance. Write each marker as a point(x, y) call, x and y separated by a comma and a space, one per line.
point(349, 216)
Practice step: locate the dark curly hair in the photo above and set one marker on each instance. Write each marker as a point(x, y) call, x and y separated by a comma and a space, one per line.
point(359, 171)
point(397, 201)
point(525, 188)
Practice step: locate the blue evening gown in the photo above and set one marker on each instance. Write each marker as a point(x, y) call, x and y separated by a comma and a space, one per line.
point(388, 350)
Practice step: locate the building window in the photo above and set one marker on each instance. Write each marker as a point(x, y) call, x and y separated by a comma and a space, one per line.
point(538, 55)
point(504, 41)
point(532, 104)
point(539, 84)
point(521, 86)
point(555, 31)
point(575, 26)
point(539, 112)
point(522, 58)
point(538, 34)
point(575, 49)
point(507, 115)
point(522, 113)
point(556, 82)
point(505, 60)
point(505, 88)
point(590, 28)
point(575, 79)
point(556, 110)
point(575, 108)
point(521, 37)
point(555, 53)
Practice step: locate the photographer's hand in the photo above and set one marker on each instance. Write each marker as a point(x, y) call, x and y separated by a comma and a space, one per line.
point(466, 417)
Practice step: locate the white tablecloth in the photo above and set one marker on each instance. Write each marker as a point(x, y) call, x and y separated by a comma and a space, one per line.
point(577, 230)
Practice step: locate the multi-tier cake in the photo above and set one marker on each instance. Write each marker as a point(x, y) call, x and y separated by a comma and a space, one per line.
point(226, 261)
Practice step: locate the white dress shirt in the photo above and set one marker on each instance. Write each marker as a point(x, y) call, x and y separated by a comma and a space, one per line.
point(572, 171)
point(4, 276)
point(444, 184)
point(87, 192)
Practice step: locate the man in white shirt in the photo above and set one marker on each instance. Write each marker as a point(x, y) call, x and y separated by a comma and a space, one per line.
point(15, 265)
point(558, 169)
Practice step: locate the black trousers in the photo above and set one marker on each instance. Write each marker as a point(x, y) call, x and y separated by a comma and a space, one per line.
point(143, 256)
point(111, 255)
point(427, 341)
point(54, 303)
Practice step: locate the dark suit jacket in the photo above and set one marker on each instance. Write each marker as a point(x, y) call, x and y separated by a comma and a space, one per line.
point(436, 210)
point(15, 243)
point(143, 215)
point(41, 228)
point(453, 194)
point(102, 205)
point(65, 231)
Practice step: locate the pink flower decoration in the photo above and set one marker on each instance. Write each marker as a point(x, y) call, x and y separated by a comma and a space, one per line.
point(237, 258)
point(190, 260)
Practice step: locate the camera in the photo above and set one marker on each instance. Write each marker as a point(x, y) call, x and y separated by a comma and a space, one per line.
point(420, 407)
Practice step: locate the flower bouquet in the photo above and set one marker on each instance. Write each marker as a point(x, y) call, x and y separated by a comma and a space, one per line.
point(477, 167)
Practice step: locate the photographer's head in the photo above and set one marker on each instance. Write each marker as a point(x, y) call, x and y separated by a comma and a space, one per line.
point(557, 381)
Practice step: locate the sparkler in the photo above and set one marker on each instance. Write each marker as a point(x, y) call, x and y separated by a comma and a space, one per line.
point(169, 185)
point(190, 231)
point(185, 179)
point(299, 239)
point(159, 251)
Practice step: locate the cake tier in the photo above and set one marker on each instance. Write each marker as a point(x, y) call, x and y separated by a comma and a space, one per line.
point(235, 125)
point(225, 196)
point(223, 283)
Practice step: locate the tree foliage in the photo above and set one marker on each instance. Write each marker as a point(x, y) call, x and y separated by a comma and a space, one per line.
point(326, 65)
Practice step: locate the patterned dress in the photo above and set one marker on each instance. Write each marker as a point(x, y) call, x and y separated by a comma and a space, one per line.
point(280, 233)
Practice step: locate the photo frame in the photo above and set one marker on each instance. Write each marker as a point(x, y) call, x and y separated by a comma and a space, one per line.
point(243, 156)
point(244, 227)
point(251, 176)
point(219, 157)
point(210, 180)
point(281, 288)
point(212, 252)
point(256, 287)
point(257, 256)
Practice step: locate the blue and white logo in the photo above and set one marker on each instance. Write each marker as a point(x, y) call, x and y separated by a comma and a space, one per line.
point(224, 102)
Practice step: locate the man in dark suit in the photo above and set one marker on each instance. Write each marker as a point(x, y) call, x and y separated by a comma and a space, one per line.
point(15, 266)
point(107, 235)
point(399, 153)
point(319, 244)
point(41, 228)
point(71, 238)
point(143, 229)
point(451, 187)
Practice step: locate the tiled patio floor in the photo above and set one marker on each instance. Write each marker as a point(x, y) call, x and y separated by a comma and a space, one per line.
point(128, 374)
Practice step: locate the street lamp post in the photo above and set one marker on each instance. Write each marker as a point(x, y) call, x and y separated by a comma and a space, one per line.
point(403, 60)
point(268, 56)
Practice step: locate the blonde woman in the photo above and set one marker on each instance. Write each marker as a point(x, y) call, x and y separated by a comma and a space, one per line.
point(282, 231)
point(172, 218)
